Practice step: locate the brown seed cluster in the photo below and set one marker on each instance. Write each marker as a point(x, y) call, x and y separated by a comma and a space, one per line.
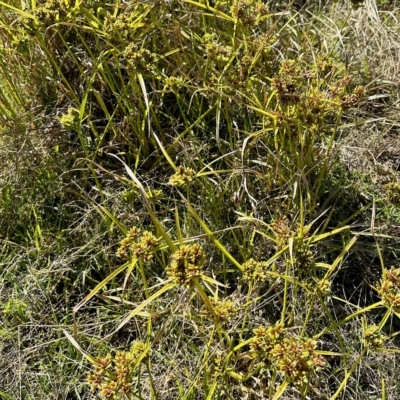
point(182, 177)
point(295, 358)
point(351, 100)
point(186, 264)
point(389, 288)
point(283, 232)
point(305, 95)
point(138, 247)
point(113, 376)
point(286, 82)
point(248, 11)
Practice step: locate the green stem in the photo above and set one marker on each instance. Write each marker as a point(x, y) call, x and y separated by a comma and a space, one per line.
point(152, 387)
point(346, 378)
point(208, 304)
point(144, 279)
point(310, 308)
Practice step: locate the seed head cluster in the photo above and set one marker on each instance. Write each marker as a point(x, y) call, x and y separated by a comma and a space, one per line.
point(352, 99)
point(182, 177)
point(217, 367)
point(140, 247)
point(295, 358)
point(215, 51)
point(322, 288)
point(286, 81)
point(393, 193)
point(53, 11)
point(255, 271)
point(247, 11)
point(174, 82)
point(389, 288)
point(304, 93)
point(373, 339)
point(113, 376)
point(283, 232)
point(186, 264)
point(141, 60)
point(224, 310)
point(120, 25)
point(70, 120)
point(303, 258)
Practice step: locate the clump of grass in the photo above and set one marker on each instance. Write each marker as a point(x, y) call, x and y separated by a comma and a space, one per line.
point(211, 129)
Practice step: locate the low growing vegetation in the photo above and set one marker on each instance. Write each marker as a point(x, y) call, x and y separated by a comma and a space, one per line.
point(199, 199)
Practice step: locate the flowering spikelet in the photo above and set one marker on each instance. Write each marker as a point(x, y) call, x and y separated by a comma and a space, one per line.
point(322, 288)
point(283, 232)
point(119, 27)
point(133, 233)
point(324, 65)
point(247, 11)
point(141, 60)
point(174, 82)
point(53, 11)
point(101, 367)
point(182, 176)
point(113, 376)
point(186, 264)
point(108, 389)
point(254, 271)
point(303, 258)
point(295, 358)
point(224, 310)
point(389, 288)
point(373, 339)
point(71, 119)
point(266, 338)
point(217, 367)
point(141, 248)
point(138, 348)
point(215, 51)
